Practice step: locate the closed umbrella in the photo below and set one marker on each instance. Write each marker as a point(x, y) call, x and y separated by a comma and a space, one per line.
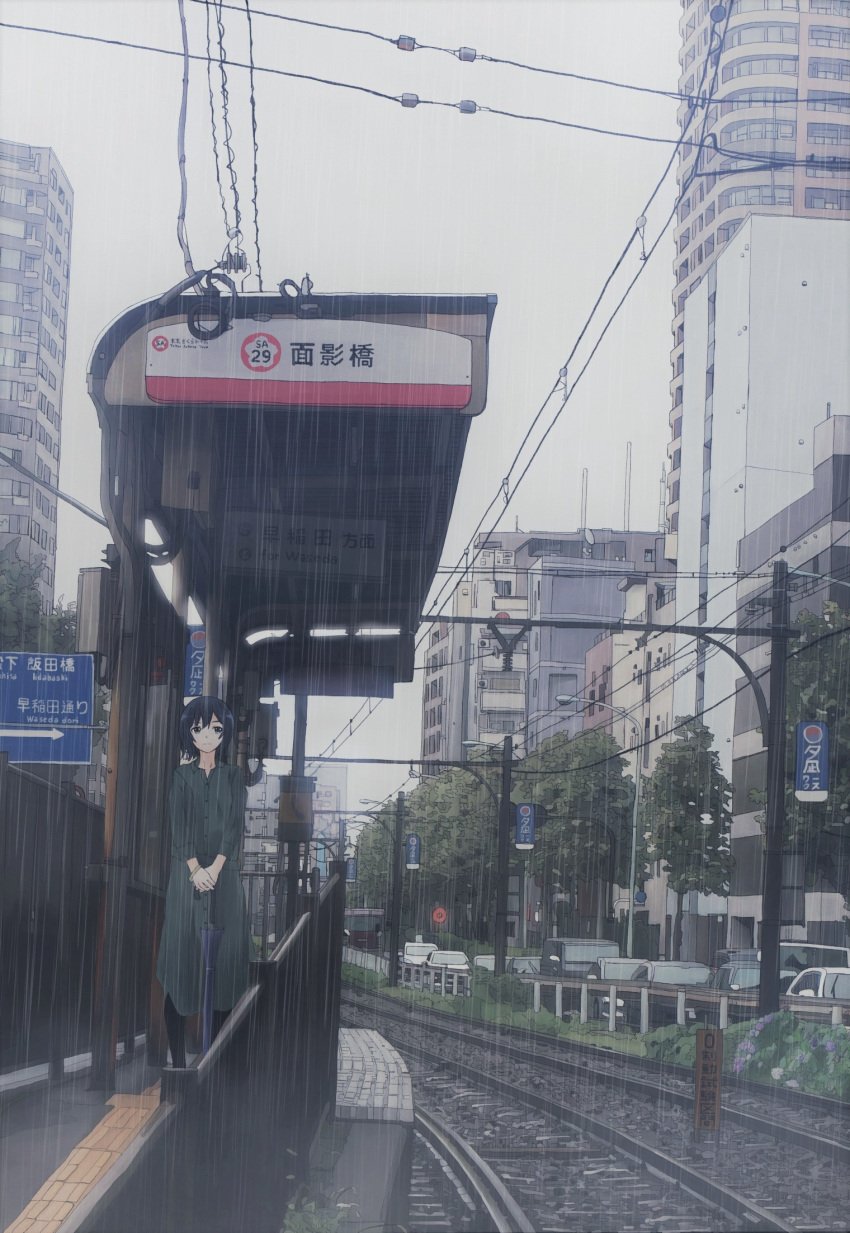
point(210, 942)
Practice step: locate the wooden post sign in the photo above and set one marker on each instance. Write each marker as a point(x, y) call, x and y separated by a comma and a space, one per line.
point(707, 1073)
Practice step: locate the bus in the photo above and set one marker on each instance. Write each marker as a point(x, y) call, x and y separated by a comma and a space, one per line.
point(364, 928)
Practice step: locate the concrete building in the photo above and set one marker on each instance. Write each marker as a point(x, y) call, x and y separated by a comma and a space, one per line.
point(783, 93)
point(767, 344)
point(812, 533)
point(36, 220)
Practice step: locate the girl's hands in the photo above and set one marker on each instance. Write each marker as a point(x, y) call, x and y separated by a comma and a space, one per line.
point(203, 880)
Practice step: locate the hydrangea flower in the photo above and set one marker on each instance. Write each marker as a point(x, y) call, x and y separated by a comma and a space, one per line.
point(791, 1083)
point(777, 1072)
point(768, 1018)
point(830, 1046)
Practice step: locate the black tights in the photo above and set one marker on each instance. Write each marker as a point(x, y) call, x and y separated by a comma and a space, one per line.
point(175, 1026)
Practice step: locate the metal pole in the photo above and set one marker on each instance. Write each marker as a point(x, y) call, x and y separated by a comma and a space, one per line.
point(771, 909)
point(502, 860)
point(398, 884)
point(293, 850)
point(633, 856)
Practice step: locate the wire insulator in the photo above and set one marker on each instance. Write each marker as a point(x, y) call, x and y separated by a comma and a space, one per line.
point(410, 100)
point(406, 42)
point(467, 54)
point(468, 106)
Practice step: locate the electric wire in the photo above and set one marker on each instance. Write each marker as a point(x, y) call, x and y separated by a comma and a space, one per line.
point(213, 125)
point(253, 104)
point(182, 237)
point(227, 129)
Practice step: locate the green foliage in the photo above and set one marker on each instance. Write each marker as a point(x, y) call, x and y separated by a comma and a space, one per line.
point(363, 978)
point(673, 1044)
point(686, 787)
point(314, 1212)
point(23, 625)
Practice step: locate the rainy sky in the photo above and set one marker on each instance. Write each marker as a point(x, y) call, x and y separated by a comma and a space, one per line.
point(368, 197)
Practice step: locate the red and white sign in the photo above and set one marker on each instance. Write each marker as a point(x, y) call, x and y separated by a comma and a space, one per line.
point(439, 915)
point(319, 363)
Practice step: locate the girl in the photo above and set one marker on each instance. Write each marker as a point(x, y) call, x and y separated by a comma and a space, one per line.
point(207, 809)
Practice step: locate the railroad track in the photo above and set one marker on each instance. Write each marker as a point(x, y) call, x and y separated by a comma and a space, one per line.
point(634, 1151)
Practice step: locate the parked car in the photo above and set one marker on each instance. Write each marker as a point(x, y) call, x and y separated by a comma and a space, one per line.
point(416, 952)
point(456, 965)
point(523, 965)
point(740, 974)
point(455, 960)
point(821, 983)
point(609, 971)
point(794, 957)
point(487, 962)
point(575, 956)
point(664, 972)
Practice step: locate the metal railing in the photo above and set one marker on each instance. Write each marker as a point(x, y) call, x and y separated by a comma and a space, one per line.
point(241, 1120)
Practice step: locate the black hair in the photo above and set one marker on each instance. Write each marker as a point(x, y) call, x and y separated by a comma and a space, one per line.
point(203, 710)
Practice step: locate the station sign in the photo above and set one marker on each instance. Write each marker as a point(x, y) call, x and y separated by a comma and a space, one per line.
point(193, 675)
point(289, 362)
point(46, 707)
point(524, 828)
point(812, 778)
point(351, 869)
point(412, 851)
point(439, 916)
point(708, 1071)
point(294, 544)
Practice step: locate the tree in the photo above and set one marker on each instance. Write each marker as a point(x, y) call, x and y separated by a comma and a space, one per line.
point(24, 626)
point(582, 785)
point(687, 811)
point(818, 688)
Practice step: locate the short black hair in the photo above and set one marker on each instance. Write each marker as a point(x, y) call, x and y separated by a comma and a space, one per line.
point(202, 710)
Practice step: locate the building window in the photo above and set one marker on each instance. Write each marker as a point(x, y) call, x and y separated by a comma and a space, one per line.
point(648, 554)
point(12, 358)
point(827, 199)
point(503, 588)
point(829, 134)
point(15, 425)
point(762, 32)
point(14, 524)
point(727, 230)
point(833, 69)
point(752, 66)
point(831, 8)
point(829, 36)
point(14, 490)
point(11, 258)
point(763, 97)
point(754, 6)
point(757, 194)
point(760, 130)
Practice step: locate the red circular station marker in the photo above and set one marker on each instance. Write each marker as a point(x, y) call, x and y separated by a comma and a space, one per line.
point(159, 343)
point(261, 352)
point(438, 916)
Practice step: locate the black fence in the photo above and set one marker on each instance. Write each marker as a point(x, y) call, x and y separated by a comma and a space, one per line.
point(51, 850)
point(231, 1139)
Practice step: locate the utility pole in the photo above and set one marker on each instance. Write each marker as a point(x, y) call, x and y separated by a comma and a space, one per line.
point(398, 884)
point(774, 825)
point(502, 872)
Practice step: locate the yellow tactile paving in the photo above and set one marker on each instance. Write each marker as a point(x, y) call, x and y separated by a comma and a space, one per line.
point(86, 1164)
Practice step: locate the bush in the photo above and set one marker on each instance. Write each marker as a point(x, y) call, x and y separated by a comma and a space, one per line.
point(673, 1044)
point(789, 1052)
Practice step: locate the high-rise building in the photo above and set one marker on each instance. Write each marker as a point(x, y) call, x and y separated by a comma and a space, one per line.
point(782, 93)
point(36, 221)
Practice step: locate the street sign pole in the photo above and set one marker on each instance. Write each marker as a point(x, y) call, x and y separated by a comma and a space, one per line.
point(775, 812)
point(501, 939)
point(398, 883)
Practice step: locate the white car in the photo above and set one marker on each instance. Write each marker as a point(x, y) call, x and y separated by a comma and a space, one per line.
point(417, 952)
point(821, 983)
point(453, 960)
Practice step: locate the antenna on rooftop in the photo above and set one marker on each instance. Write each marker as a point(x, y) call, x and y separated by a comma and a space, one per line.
point(627, 490)
point(662, 501)
point(583, 499)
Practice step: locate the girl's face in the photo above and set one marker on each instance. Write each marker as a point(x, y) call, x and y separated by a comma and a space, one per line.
point(207, 739)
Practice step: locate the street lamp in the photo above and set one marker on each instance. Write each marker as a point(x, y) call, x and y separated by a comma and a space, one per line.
point(562, 700)
point(503, 804)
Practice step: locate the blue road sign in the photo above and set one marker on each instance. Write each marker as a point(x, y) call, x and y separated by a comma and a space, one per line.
point(193, 677)
point(812, 779)
point(351, 869)
point(524, 827)
point(640, 897)
point(46, 707)
point(412, 851)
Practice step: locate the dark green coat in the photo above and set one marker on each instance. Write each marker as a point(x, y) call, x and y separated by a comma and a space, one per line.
point(207, 817)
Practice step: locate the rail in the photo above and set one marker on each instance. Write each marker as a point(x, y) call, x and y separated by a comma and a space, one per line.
point(492, 1195)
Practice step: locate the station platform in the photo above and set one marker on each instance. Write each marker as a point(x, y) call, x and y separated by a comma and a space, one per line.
point(62, 1146)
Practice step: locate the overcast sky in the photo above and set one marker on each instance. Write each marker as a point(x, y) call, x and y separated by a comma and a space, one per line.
point(370, 197)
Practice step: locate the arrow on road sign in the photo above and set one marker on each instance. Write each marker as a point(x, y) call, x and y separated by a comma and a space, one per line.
point(52, 734)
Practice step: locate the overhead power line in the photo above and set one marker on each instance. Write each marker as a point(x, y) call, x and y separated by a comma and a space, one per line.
point(253, 103)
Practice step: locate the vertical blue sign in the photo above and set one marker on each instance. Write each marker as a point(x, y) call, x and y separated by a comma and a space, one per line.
point(524, 827)
point(193, 679)
point(351, 869)
point(412, 851)
point(812, 779)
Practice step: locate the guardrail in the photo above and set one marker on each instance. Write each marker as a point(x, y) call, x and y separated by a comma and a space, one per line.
point(436, 978)
point(681, 1004)
point(366, 959)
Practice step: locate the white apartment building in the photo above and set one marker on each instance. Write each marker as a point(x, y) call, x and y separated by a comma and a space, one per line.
point(36, 219)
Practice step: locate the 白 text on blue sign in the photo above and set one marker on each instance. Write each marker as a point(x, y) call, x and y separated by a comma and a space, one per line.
point(812, 778)
point(46, 707)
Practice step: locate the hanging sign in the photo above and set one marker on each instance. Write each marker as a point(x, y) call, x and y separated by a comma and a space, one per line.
point(193, 677)
point(351, 869)
point(524, 828)
point(812, 779)
point(412, 851)
point(288, 362)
